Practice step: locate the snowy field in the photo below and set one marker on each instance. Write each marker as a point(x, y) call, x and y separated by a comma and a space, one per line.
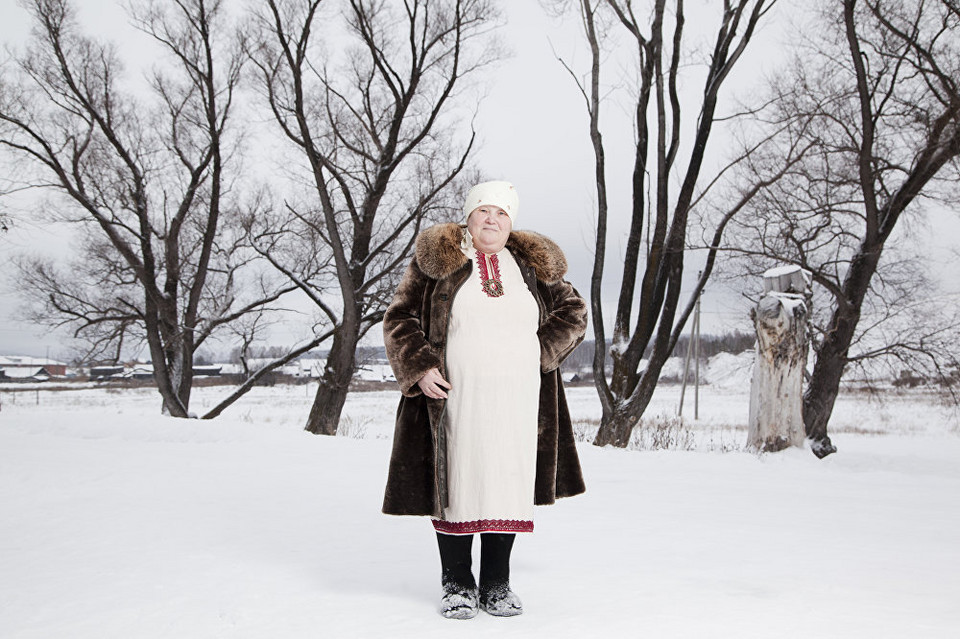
point(119, 523)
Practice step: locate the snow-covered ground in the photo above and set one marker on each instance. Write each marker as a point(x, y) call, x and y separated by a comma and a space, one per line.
point(117, 522)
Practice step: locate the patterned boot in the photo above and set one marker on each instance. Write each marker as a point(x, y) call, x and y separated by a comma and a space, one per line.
point(459, 587)
point(496, 598)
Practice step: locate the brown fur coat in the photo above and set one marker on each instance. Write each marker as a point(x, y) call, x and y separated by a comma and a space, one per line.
point(414, 332)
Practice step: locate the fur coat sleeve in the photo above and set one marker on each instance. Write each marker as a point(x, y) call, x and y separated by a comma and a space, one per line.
point(565, 321)
point(564, 328)
point(408, 348)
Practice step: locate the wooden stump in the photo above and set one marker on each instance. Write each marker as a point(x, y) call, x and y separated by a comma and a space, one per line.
point(776, 391)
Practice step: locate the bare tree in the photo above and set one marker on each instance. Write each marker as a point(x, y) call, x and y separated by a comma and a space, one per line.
point(661, 209)
point(95, 297)
point(376, 129)
point(146, 181)
point(875, 92)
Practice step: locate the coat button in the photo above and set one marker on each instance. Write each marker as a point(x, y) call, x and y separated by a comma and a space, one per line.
point(443, 297)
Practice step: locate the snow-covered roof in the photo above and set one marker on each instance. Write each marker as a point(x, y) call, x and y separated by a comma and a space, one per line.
point(783, 278)
point(784, 270)
point(23, 372)
point(20, 361)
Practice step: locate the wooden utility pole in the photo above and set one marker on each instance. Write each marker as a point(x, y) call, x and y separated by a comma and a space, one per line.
point(693, 346)
point(696, 361)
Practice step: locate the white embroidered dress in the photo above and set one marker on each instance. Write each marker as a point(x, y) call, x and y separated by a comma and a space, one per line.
point(493, 365)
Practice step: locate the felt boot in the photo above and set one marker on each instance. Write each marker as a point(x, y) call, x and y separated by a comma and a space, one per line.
point(496, 598)
point(459, 587)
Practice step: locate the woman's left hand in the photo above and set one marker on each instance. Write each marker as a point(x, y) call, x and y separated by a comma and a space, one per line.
point(432, 384)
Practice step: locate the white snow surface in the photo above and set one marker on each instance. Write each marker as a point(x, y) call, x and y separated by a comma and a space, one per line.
point(119, 522)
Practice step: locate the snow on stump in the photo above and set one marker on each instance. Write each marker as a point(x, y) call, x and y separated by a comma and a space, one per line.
point(776, 391)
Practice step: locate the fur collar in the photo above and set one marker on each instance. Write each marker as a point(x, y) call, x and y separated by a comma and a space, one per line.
point(439, 255)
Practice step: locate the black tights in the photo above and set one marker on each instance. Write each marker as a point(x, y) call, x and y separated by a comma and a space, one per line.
point(456, 561)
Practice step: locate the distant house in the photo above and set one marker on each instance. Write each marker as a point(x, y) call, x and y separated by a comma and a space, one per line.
point(105, 372)
point(143, 371)
point(140, 371)
point(23, 374)
point(22, 368)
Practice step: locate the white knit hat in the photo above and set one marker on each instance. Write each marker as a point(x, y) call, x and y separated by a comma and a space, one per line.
point(496, 193)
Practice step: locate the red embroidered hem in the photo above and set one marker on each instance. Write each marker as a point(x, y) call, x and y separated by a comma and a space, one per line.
point(482, 525)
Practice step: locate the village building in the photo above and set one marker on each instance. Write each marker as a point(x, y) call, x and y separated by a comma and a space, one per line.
point(30, 369)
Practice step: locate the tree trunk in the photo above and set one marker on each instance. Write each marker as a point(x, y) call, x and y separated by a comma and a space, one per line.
point(328, 404)
point(186, 371)
point(169, 391)
point(617, 427)
point(179, 370)
point(615, 430)
point(630, 407)
point(776, 409)
point(824, 385)
point(819, 399)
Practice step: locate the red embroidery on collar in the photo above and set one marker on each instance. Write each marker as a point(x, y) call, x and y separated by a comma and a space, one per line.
point(492, 286)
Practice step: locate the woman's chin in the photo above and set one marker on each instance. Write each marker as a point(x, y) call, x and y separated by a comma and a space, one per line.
point(489, 242)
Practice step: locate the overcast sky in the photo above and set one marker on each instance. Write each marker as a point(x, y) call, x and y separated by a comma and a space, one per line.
point(533, 132)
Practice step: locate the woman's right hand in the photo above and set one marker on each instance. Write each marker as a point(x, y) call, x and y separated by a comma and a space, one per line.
point(432, 384)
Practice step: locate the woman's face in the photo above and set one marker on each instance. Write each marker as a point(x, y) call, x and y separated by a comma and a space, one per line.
point(490, 227)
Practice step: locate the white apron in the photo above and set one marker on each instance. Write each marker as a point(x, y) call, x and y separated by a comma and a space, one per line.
point(493, 365)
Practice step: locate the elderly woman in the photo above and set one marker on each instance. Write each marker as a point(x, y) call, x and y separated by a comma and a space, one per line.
point(475, 334)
